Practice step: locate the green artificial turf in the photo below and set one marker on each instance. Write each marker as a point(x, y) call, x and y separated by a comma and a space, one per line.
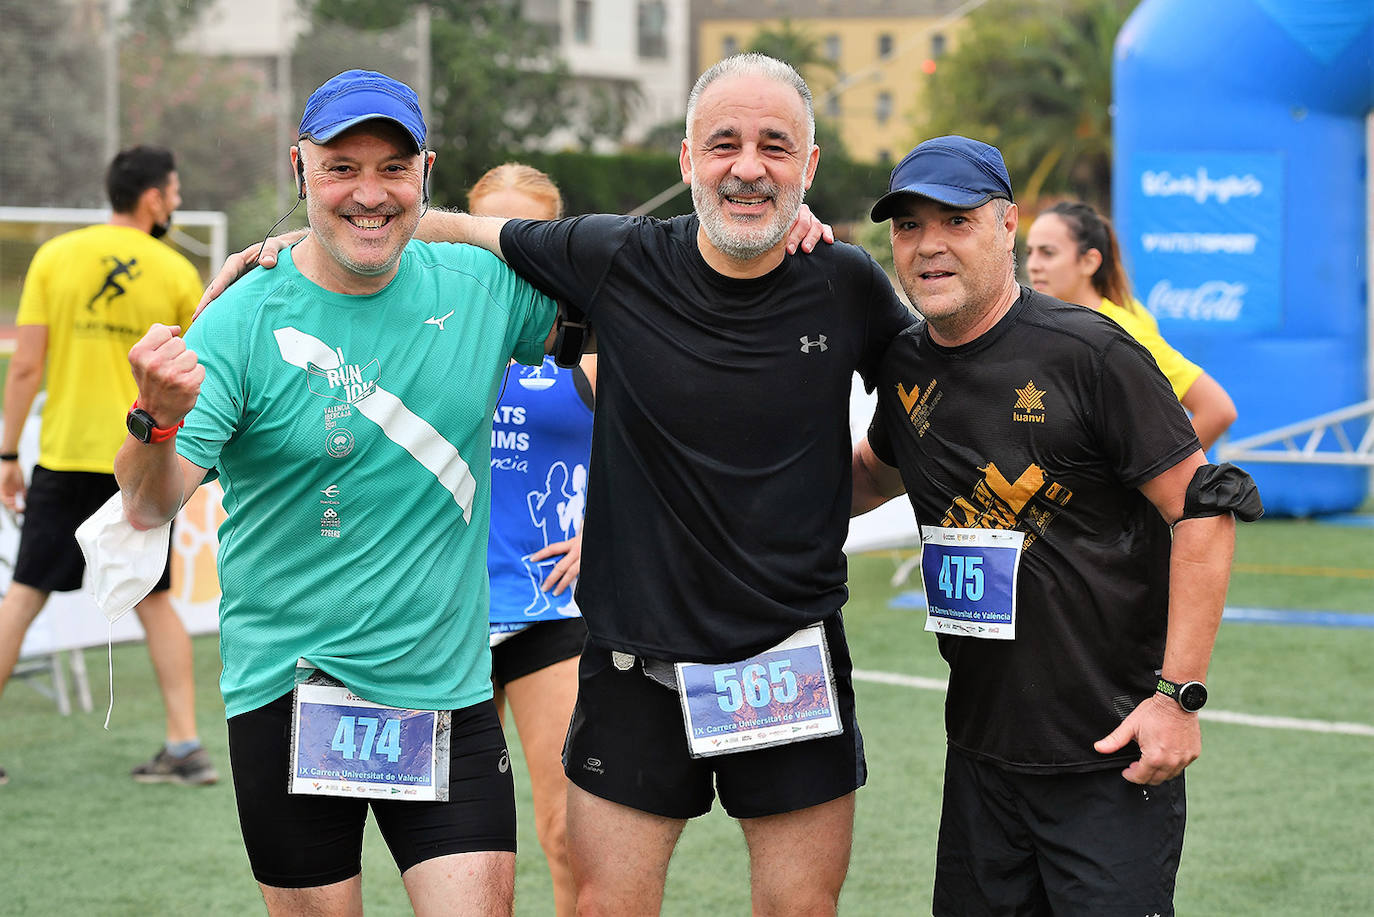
point(1279, 819)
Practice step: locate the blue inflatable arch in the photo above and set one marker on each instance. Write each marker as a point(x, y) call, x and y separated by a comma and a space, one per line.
point(1241, 189)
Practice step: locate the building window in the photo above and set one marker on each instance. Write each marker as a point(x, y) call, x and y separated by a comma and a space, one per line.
point(582, 22)
point(884, 45)
point(653, 27)
point(729, 45)
point(937, 45)
point(832, 48)
point(883, 109)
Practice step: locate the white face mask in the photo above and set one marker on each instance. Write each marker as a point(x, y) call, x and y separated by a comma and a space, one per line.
point(123, 563)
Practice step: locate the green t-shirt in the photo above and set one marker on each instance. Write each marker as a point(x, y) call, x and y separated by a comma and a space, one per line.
point(352, 436)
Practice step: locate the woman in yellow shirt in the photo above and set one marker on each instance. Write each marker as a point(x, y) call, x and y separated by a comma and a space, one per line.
point(1074, 257)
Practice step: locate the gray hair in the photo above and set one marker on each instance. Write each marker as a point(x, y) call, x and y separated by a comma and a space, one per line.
point(753, 64)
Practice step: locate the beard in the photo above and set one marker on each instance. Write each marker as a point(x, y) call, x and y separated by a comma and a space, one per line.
point(757, 235)
point(160, 229)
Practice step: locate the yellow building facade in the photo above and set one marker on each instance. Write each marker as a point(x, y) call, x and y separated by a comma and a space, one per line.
point(874, 93)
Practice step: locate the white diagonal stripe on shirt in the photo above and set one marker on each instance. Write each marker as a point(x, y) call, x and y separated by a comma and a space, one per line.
point(401, 425)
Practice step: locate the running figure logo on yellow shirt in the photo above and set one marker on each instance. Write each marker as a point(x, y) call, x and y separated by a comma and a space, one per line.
point(112, 289)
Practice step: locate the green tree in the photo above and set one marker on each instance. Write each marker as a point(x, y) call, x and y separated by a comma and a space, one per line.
point(1034, 78)
point(51, 113)
point(207, 110)
point(792, 43)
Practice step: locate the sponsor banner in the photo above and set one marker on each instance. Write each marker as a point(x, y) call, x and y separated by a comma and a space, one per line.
point(1205, 244)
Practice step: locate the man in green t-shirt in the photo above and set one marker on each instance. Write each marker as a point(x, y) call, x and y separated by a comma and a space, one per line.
point(344, 401)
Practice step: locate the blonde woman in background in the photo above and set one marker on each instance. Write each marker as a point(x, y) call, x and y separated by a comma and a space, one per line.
point(1074, 256)
point(541, 439)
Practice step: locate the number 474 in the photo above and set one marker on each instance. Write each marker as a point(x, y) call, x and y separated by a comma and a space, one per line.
point(386, 741)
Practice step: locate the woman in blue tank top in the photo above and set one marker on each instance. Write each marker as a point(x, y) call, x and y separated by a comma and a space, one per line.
point(541, 439)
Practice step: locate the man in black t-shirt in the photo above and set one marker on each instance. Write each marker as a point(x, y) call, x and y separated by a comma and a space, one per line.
point(717, 505)
point(1046, 459)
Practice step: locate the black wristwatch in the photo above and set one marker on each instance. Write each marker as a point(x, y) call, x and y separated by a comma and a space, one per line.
point(1191, 695)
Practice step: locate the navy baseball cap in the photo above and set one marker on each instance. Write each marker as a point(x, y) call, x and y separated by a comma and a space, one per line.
point(956, 171)
point(355, 96)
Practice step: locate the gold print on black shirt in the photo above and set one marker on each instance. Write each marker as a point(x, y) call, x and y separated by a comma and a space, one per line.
point(1030, 404)
point(1028, 504)
point(918, 405)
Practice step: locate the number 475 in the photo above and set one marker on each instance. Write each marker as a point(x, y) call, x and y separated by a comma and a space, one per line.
point(961, 576)
point(386, 741)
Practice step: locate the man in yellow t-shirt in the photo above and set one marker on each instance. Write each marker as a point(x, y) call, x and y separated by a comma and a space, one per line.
point(88, 296)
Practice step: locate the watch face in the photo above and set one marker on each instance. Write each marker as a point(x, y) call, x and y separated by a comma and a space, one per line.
point(140, 425)
point(1192, 696)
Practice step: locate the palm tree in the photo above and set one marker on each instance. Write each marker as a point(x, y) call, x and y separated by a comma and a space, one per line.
point(1034, 78)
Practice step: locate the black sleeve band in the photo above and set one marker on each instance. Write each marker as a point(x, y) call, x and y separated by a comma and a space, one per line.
point(570, 341)
point(1218, 489)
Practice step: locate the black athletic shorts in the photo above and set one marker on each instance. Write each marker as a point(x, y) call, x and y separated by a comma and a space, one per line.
point(1062, 844)
point(626, 743)
point(307, 841)
point(58, 501)
point(536, 647)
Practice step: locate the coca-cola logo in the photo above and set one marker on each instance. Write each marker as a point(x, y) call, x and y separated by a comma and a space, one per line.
point(1213, 301)
point(1200, 186)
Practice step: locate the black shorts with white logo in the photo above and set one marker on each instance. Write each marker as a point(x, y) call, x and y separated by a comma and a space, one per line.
point(1055, 844)
point(627, 744)
point(536, 647)
point(57, 503)
point(307, 841)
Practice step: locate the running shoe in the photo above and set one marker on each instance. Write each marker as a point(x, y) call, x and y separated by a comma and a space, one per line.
point(192, 769)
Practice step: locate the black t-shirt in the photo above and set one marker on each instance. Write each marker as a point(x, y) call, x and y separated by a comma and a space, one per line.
point(1047, 424)
point(719, 489)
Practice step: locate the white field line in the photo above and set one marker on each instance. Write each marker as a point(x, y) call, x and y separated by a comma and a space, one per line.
point(1220, 716)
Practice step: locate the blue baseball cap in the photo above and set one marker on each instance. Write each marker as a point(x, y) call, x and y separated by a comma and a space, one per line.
point(355, 96)
point(956, 171)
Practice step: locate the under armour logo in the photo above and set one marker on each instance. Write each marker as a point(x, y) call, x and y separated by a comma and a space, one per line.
point(439, 321)
point(807, 345)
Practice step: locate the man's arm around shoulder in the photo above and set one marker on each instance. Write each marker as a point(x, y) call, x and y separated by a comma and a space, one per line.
point(454, 226)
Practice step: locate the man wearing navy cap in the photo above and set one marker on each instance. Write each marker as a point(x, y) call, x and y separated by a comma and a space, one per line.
point(344, 400)
point(1047, 461)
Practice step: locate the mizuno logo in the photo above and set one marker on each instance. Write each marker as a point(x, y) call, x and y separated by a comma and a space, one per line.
point(806, 345)
point(440, 320)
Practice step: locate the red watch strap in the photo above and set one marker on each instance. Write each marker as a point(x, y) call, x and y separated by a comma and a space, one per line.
point(161, 434)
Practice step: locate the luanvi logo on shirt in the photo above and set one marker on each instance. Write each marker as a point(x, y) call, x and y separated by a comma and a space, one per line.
point(1030, 404)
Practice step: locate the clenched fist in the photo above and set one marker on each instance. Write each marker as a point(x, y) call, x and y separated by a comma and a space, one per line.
point(168, 374)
